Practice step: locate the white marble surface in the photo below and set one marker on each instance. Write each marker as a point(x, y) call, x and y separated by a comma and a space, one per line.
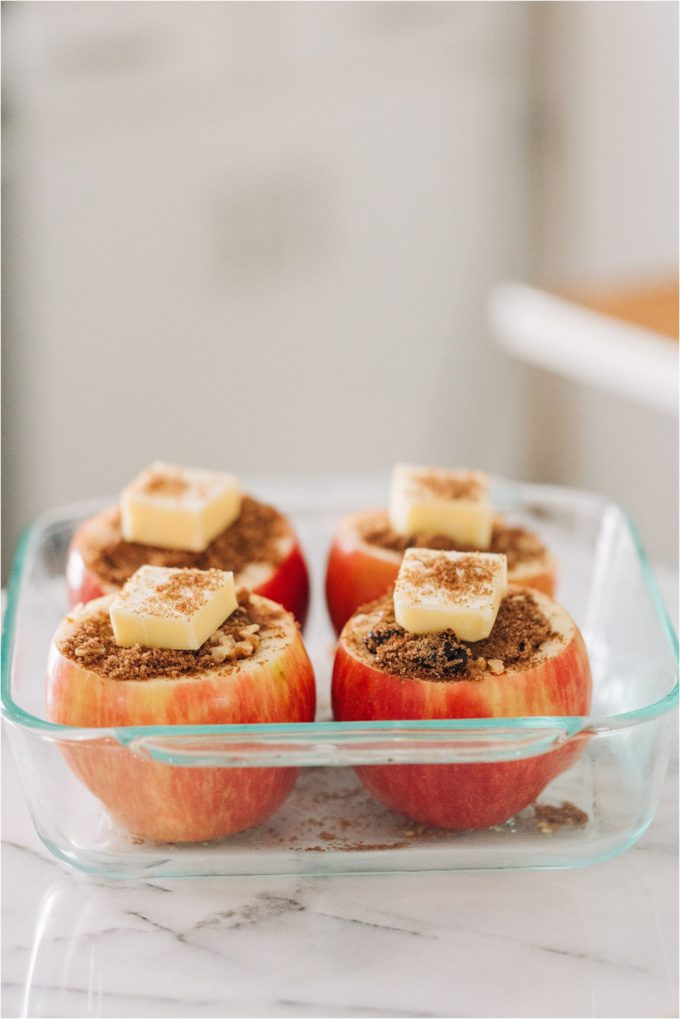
point(601, 941)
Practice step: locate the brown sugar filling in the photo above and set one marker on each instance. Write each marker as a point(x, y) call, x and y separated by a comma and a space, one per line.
point(518, 635)
point(518, 544)
point(91, 645)
point(254, 537)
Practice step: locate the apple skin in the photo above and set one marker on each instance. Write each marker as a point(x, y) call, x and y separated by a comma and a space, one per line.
point(358, 573)
point(173, 803)
point(466, 795)
point(355, 575)
point(288, 583)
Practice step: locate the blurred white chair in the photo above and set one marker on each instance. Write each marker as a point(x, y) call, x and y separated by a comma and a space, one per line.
point(585, 345)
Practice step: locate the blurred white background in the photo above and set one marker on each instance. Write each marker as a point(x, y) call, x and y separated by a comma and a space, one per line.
point(260, 237)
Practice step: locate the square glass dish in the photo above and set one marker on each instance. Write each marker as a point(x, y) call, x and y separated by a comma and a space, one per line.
point(330, 823)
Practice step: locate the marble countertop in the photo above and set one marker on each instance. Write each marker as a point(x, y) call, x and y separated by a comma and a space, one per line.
point(600, 941)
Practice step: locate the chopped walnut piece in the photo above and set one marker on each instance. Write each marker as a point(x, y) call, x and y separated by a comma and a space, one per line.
point(224, 649)
point(233, 647)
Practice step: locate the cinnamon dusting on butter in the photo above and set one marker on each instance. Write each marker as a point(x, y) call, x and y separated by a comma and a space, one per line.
point(182, 594)
point(471, 576)
point(164, 483)
point(449, 485)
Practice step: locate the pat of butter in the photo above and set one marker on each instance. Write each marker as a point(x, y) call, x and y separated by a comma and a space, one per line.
point(459, 591)
point(161, 606)
point(179, 507)
point(432, 500)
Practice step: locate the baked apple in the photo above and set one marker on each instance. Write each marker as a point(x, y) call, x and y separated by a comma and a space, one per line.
point(368, 546)
point(259, 545)
point(253, 669)
point(533, 662)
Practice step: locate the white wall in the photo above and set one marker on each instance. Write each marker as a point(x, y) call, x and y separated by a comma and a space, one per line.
point(260, 236)
point(257, 236)
point(605, 210)
point(606, 98)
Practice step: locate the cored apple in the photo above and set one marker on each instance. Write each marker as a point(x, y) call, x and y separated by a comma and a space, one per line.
point(99, 562)
point(360, 570)
point(172, 802)
point(556, 681)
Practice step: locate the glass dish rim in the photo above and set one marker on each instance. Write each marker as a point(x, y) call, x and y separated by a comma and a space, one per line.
point(324, 732)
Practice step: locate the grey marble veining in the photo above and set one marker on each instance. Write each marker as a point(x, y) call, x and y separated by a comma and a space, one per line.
point(601, 941)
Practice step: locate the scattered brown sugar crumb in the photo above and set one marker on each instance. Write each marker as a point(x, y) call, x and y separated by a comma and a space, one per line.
point(92, 645)
point(519, 633)
point(518, 544)
point(357, 847)
point(254, 537)
point(549, 818)
point(472, 574)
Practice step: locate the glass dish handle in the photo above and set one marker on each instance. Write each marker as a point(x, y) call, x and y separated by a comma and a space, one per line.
point(361, 746)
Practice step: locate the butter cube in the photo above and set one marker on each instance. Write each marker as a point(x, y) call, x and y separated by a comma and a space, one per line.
point(459, 591)
point(433, 500)
point(164, 607)
point(179, 507)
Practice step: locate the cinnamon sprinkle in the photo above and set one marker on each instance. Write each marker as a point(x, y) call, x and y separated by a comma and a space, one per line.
point(254, 537)
point(184, 593)
point(472, 575)
point(177, 594)
point(444, 484)
point(518, 635)
point(165, 483)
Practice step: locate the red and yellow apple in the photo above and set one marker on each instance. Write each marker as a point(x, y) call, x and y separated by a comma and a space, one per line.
point(286, 582)
point(171, 802)
point(359, 571)
point(468, 795)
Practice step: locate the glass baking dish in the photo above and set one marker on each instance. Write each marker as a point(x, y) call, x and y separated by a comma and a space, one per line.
point(330, 823)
